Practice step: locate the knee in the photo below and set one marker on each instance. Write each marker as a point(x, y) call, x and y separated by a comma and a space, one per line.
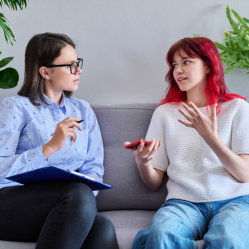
point(79, 191)
point(223, 239)
point(108, 227)
point(78, 196)
point(108, 237)
point(166, 234)
point(159, 231)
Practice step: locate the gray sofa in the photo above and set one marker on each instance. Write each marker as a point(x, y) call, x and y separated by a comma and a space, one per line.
point(129, 205)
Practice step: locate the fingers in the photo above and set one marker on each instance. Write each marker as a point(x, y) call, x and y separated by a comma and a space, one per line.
point(195, 108)
point(185, 123)
point(189, 118)
point(70, 123)
point(66, 129)
point(193, 112)
point(148, 151)
point(195, 115)
point(70, 132)
point(204, 124)
point(154, 149)
point(213, 112)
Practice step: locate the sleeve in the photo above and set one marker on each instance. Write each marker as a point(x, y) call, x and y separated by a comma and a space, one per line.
point(240, 126)
point(157, 130)
point(12, 121)
point(93, 164)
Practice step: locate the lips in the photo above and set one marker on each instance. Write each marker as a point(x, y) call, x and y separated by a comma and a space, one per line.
point(180, 79)
point(76, 80)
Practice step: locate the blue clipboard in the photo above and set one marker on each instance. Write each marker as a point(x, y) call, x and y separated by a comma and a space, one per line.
point(52, 173)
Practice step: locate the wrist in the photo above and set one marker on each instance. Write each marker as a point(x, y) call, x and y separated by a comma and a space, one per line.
point(49, 149)
point(212, 139)
point(142, 162)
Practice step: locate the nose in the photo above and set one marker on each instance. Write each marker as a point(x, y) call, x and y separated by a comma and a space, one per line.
point(179, 69)
point(79, 70)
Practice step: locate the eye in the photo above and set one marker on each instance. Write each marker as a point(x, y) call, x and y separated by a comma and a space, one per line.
point(174, 65)
point(74, 64)
point(186, 62)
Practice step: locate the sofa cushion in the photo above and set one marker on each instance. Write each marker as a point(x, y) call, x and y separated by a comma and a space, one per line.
point(128, 222)
point(118, 124)
point(16, 245)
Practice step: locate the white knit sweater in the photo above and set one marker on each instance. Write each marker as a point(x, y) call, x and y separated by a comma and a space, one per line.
point(195, 172)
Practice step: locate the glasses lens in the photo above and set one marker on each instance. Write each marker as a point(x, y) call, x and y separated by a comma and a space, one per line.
point(80, 63)
point(76, 65)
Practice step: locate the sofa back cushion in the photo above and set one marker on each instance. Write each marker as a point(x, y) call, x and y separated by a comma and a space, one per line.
point(118, 124)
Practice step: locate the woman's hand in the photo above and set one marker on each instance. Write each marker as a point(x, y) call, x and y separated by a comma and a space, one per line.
point(144, 153)
point(152, 177)
point(236, 165)
point(204, 125)
point(63, 130)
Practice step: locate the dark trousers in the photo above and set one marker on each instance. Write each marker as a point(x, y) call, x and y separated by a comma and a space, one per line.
point(58, 215)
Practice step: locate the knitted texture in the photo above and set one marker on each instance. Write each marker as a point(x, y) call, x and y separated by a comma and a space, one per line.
point(195, 172)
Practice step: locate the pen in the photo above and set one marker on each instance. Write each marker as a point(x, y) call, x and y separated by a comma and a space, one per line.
point(72, 126)
point(78, 122)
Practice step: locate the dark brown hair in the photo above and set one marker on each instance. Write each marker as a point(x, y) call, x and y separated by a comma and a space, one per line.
point(42, 49)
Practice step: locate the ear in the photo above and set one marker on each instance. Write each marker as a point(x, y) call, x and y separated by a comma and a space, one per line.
point(207, 70)
point(44, 72)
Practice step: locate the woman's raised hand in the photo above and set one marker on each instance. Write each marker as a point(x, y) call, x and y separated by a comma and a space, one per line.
point(204, 125)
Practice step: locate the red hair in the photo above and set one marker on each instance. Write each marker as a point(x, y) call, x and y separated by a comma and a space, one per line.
point(205, 49)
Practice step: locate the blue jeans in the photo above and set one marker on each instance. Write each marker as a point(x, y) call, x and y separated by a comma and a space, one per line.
point(178, 223)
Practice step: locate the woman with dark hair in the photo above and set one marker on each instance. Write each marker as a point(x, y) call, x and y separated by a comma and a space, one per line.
point(199, 137)
point(38, 128)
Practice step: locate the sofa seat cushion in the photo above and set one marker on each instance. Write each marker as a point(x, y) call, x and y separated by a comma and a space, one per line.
point(16, 245)
point(127, 223)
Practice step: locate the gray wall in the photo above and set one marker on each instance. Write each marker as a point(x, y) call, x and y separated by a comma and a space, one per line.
point(123, 42)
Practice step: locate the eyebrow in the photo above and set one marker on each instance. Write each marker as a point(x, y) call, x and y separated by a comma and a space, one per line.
point(184, 58)
point(72, 61)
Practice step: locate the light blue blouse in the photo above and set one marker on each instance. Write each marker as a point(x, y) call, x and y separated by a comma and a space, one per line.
point(25, 128)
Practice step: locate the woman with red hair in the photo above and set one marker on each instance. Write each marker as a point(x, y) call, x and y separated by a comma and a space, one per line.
point(199, 137)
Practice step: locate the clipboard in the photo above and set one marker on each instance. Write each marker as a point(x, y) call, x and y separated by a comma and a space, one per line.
point(52, 173)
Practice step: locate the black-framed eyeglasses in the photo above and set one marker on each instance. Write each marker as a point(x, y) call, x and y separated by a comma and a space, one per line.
point(73, 66)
